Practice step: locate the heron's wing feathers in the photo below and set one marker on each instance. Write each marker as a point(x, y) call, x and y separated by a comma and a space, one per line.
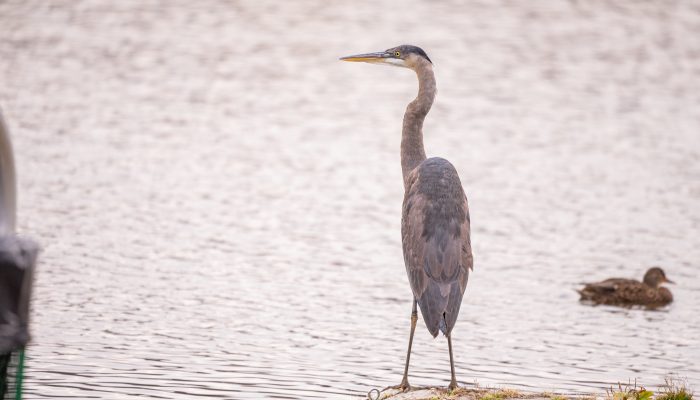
point(436, 244)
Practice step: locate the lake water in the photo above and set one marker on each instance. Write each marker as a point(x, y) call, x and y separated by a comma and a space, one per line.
point(218, 197)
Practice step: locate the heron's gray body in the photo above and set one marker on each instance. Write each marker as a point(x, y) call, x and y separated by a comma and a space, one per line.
point(436, 245)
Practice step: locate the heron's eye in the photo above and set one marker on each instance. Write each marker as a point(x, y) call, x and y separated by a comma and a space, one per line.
point(397, 54)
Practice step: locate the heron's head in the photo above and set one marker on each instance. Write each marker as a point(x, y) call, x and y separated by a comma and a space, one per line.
point(655, 276)
point(406, 56)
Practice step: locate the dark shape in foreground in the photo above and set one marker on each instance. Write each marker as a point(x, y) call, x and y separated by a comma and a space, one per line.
point(629, 292)
point(435, 219)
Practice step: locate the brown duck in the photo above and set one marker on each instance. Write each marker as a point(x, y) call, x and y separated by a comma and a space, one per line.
point(628, 292)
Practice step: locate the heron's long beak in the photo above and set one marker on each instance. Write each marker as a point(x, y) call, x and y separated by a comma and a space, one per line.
point(378, 57)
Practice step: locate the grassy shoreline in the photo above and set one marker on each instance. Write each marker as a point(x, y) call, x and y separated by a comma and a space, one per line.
point(671, 390)
point(435, 393)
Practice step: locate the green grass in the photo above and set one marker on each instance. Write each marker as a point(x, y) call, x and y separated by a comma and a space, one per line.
point(674, 390)
point(629, 392)
point(501, 394)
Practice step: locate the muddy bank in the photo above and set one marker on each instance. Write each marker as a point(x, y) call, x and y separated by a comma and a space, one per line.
point(434, 393)
point(671, 390)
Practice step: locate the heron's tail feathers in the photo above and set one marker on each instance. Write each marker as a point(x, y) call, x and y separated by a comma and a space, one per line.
point(440, 307)
point(443, 325)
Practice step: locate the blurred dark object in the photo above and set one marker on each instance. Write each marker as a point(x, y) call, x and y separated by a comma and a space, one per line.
point(17, 260)
point(17, 257)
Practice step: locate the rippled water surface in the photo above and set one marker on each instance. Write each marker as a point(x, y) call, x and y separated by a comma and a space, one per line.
point(218, 198)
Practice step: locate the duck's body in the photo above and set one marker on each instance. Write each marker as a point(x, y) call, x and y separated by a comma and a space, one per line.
point(630, 292)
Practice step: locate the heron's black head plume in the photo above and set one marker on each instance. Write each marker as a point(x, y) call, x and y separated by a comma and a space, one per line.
point(405, 49)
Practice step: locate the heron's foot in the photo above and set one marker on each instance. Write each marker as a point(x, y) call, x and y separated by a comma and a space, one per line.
point(453, 385)
point(403, 386)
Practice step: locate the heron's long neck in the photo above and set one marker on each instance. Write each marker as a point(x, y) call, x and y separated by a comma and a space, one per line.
point(412, 151)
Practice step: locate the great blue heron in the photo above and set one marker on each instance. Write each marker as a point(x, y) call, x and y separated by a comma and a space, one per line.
point(435, 219)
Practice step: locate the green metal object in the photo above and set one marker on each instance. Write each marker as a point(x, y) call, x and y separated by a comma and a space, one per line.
point(11, 375)
point(20, 375)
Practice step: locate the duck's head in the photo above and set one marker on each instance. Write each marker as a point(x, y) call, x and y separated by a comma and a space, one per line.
point(655, 277)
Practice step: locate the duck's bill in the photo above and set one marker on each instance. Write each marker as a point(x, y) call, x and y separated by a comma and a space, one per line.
point(378, 57)
point(669, 281)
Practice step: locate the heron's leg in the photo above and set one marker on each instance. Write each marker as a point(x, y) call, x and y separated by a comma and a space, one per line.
point(414, 319)
point(453, 382)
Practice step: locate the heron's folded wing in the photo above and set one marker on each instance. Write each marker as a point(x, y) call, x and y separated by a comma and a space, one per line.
point(437, 248)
